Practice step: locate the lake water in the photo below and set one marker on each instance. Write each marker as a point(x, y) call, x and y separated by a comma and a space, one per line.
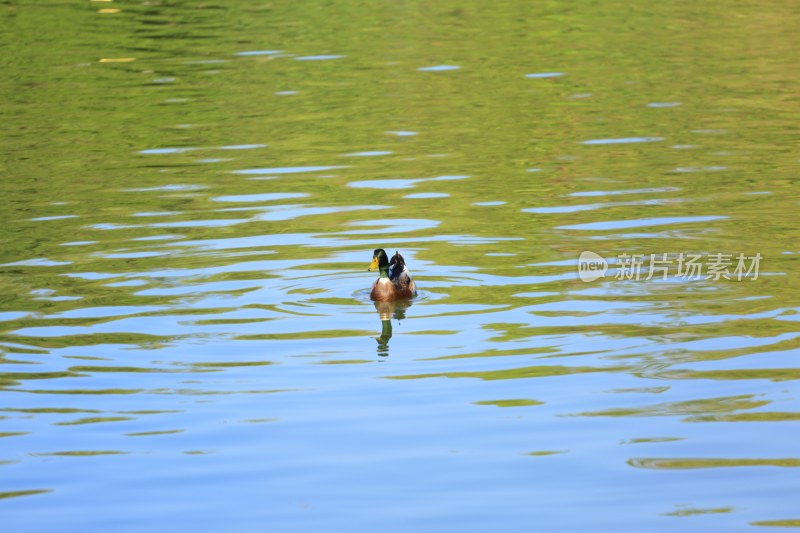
point(191, 196)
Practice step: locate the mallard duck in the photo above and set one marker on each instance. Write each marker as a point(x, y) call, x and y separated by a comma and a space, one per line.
point(395, 281)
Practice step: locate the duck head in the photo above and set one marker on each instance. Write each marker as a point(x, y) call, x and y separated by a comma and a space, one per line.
point(380, 261)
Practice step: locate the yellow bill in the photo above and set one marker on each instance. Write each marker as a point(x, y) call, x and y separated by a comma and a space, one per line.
point(373, 265)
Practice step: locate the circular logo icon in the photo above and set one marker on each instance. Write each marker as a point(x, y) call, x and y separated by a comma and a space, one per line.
point(591, 266)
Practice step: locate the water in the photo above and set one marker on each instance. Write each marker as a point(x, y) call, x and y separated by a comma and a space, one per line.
point(191, 196)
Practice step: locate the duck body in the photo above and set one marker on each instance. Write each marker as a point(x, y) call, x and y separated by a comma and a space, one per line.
point(395, 281)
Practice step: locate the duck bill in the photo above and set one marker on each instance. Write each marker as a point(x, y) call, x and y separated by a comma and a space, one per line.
point(373, 265)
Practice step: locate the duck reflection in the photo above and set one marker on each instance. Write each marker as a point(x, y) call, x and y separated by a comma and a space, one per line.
point(387, 311)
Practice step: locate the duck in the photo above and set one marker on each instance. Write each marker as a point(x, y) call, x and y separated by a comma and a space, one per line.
point(394, 282)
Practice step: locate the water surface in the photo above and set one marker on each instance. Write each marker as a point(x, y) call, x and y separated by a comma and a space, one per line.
point(191, 196)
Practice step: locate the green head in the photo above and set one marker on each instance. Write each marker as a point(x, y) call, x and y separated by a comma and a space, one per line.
point(380, 261)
